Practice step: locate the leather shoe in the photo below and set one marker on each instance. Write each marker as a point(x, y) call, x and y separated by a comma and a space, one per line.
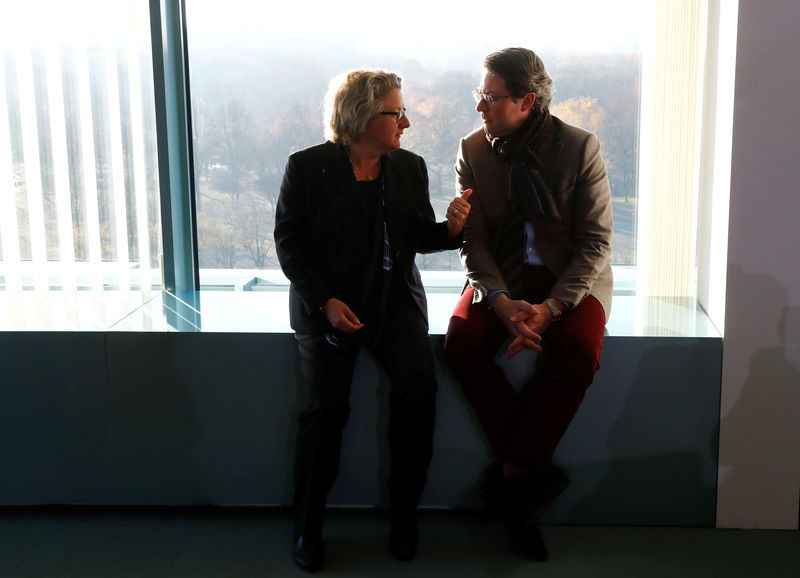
point(548, 487)
point(526, 539)
point(404, 536)
point(308, 553)
point(529, 496)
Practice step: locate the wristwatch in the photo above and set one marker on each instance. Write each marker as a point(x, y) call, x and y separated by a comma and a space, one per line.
point(554, 310)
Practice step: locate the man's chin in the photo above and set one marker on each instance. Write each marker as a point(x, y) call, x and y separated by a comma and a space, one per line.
point(491, 128)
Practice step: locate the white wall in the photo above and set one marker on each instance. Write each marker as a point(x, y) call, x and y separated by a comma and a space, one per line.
point(759, 483)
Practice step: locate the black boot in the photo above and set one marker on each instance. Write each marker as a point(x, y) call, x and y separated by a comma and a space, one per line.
point(526, 497)
point(526, 540)
point(547, 487)
point(308, 553)
point(404, 535)
point(531, 495)
point(519, 505)
point(490, 487)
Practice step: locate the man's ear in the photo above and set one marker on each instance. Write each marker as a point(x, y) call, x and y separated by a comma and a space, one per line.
point(528, 100)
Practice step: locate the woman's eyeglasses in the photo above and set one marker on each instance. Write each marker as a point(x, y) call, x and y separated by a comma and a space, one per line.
point(398, 114)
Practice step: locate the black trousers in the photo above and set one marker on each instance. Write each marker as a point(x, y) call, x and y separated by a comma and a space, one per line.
point(327, 369)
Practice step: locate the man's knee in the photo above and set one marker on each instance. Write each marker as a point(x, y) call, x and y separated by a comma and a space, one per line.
point(576, 355)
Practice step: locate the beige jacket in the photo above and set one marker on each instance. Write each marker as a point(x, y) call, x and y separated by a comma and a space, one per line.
point(578, 248)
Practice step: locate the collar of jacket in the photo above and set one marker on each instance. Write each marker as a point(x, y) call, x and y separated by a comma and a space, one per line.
point(337, 164)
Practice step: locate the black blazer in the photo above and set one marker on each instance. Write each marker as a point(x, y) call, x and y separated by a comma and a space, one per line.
point(317, 214)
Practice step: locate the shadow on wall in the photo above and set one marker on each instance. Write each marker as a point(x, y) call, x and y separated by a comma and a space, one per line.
point(760, 458)
point(662, 447)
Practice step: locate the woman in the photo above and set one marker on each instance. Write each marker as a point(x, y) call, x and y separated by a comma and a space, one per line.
point(351, 216)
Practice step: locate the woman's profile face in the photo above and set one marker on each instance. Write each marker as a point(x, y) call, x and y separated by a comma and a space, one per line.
point(383, 131)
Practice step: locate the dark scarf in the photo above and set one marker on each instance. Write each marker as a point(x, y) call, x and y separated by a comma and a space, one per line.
point(525, 182)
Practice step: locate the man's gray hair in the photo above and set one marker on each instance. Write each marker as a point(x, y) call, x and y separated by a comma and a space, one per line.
point(352, 99)
point(523, 72)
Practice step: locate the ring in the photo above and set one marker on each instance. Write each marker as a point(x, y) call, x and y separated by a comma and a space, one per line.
point(455, 211)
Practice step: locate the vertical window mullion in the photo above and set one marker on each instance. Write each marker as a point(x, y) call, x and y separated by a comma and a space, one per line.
point(716, 168)
point(172, 126)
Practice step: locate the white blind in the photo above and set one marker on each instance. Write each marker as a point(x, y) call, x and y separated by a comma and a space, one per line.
point(78, 185)
point(672, 99)
point(92, 195)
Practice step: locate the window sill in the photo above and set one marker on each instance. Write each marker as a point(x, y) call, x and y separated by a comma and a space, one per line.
point(266, 311)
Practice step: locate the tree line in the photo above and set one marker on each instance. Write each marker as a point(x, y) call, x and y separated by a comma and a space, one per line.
point(244, 133)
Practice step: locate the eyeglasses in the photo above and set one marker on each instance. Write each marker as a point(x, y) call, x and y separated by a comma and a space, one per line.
point(489, 99)
point(399, 114)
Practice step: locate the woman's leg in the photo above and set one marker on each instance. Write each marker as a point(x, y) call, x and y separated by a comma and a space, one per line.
point(327, 370)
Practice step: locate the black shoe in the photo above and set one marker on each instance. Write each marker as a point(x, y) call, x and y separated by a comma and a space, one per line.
point(526, 539)
point(404, 536)
point(528, 496)
point(308, 553)
point(548, 487)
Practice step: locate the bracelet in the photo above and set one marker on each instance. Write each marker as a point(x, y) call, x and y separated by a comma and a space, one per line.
point(554, 310)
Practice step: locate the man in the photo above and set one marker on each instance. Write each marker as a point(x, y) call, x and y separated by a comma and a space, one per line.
point(536, 251)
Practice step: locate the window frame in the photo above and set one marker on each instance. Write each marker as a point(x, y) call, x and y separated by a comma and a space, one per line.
point(181, 270)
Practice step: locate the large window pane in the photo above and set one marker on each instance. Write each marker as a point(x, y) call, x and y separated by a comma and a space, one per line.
point(259, 72)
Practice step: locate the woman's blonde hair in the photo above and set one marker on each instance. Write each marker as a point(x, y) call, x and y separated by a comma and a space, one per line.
point(352, 99)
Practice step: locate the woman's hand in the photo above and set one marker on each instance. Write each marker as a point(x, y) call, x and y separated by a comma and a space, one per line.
point(457, 213)
point(340, 316)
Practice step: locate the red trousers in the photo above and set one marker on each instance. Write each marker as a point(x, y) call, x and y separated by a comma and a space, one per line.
point(525, 427)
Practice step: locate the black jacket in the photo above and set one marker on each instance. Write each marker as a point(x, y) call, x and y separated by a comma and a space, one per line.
point(317, 214)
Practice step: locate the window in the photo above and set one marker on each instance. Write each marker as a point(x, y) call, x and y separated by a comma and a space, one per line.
point(80, 204)
point(78, 184)
point(259, 73)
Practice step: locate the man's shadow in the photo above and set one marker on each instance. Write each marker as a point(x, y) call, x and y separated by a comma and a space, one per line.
point(661, 449)
point(760, 428)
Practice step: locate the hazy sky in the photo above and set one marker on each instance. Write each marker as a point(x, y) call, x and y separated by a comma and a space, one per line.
point(427, 30)
point(39, 22)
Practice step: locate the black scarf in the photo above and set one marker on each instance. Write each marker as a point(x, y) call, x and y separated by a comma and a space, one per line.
point(525, 182)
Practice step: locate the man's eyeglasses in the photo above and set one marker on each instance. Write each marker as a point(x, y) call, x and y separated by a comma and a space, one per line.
point(489, 99)
point(398, 114)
